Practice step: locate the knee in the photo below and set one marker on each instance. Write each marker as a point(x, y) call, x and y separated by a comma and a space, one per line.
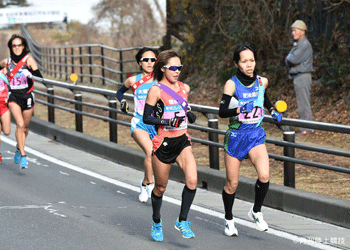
point(159, 190)
point(191, 183)
point(231, 186)
point(21, 126)
point(264, 177)
point(6, 132)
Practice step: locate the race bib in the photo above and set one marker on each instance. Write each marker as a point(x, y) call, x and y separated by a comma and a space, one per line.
point(252, 117)
point(169, 115)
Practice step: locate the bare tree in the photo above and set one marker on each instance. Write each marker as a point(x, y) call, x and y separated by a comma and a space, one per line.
point(130, 22)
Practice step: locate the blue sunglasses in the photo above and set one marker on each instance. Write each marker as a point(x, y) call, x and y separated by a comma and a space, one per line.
point(174, 68)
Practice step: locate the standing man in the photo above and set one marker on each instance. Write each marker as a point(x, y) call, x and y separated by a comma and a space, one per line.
point(299, 60)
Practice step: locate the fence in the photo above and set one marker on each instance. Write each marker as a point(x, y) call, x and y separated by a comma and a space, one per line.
point(42, 55)
point(89, 61)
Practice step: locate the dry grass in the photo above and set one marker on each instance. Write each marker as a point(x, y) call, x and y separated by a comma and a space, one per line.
point(307, 178)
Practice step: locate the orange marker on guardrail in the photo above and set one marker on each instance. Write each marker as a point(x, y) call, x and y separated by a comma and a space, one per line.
point(74, 78)
point(281, 106)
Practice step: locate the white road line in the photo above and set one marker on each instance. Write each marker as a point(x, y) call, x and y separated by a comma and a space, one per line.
point(294, 238)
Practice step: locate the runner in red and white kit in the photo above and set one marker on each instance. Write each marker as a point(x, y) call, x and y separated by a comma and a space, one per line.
point(18, 67)
point(166, 108)
point(5, 116)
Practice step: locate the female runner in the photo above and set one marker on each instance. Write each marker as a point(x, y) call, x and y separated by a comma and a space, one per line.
point(243, 101)
point(142, 133)
point(18, 67)
point(5, 116)
point(166, 107)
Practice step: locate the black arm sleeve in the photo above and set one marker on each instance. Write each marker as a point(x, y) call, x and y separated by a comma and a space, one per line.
point(267, 103)
point(149, 119)
point(120, 92)
point(224, 111)
point(37, 73)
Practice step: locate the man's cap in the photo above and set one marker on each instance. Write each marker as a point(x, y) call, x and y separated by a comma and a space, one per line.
point(299, 25)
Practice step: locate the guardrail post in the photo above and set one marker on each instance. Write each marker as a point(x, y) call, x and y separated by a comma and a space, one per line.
point(54, 62)
point(213, 122)
point(45, 64)
point(90, 63)
point(102, 65)
point(51, 100)
point(72, 59)
point(113, 127)
point(121, 66)
point(66, 62)
point(81, 63)
point(289, 167)
point(50, 61)
point(59, 61)
point(78, 107)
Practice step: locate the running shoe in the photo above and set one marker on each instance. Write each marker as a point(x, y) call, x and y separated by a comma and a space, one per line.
point(17, 156)
point(157, 231)
point(0, 158)
point(23, 162)
point(230, 228)
point(184, 228)
point(259, 220)
point(150, 189)
point(143, 197)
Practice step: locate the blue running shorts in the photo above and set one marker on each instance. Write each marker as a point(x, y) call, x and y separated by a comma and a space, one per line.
point(238, 143)
point(137, 123)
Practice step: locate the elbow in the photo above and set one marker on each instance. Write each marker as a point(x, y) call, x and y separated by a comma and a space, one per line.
point(146, 120)
point(222, 114)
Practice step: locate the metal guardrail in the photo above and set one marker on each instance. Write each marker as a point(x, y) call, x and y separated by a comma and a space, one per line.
point(92, 61)
point(211, 129)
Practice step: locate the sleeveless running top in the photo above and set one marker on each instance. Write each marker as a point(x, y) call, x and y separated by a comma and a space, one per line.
point(167, 108)
point(243, 95)
point(140, 95)
point(20, 84)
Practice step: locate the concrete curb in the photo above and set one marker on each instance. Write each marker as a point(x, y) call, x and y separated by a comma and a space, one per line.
point(311, 205)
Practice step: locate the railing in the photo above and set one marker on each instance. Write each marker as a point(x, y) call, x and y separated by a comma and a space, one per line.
point(211, 129)
point(91, 62)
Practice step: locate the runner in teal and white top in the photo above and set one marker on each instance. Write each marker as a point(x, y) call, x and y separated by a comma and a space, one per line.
point(142, 133)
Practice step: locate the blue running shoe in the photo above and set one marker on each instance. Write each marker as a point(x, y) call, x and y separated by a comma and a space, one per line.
point(17, 156)
point(157, 231)
point(23, 162)
point(184, 228)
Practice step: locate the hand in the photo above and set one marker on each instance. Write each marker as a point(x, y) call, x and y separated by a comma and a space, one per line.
point(191, 117)
point(176, 121)
point(247, 108)
point(276, 116)
point(124, 106)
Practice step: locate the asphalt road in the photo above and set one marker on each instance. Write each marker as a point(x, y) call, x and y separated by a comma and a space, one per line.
point(49, 206)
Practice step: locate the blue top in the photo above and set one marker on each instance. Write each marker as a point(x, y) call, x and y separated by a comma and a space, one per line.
point(243, 95)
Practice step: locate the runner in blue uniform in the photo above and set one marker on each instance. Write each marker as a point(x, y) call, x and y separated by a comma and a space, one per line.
point(243, 101)
point(142, 133)
point(18, 67)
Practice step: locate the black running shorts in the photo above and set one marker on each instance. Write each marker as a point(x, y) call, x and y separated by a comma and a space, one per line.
point(26, 101)
point(171, 148)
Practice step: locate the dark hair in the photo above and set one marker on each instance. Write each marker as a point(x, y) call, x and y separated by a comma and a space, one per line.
point(162, 60)
point(143, 50)
point(239, 49)
point(24, 42)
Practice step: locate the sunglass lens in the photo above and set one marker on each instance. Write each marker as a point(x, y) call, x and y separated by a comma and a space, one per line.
point(148, 59)
point(174, 68)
